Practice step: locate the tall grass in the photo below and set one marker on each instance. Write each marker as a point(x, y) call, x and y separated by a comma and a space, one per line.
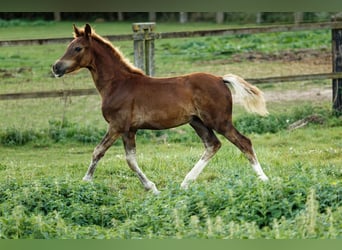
point(55, 208)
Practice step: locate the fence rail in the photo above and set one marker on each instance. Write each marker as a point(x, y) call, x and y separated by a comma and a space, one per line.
point(93, 91)
point(48, 94)
point(42, 41)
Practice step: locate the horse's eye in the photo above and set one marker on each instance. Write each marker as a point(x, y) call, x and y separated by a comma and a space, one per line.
point(78, 49)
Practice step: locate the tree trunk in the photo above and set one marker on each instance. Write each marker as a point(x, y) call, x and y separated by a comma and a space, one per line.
point(259, 18)
point(219, 17)
point(120, 16)
point(152, 16)
point(57, 16)
point(298, 17)
point(183, 17)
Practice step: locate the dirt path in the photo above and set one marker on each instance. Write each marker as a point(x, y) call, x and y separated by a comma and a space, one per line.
point(312, 94)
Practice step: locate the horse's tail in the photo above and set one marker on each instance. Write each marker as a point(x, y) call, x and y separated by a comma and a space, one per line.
point(251, 97)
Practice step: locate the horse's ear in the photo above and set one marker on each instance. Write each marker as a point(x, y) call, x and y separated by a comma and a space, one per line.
point(87, 31)
point(77, 32)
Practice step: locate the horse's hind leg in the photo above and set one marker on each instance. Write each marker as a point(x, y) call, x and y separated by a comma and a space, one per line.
point(212, 145)
point(129, 143)
point(245, 145)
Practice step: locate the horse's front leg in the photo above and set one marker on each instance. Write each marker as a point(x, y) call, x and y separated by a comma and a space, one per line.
point(129, 143)
point(107, 141)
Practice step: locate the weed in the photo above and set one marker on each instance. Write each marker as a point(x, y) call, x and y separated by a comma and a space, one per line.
point(50, 207)
point(13, 136)
point(63, 131)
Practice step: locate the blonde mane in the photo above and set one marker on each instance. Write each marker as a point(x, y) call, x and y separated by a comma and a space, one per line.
point(116, 51)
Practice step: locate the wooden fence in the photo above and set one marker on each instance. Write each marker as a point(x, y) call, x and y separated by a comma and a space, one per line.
point(144, 36)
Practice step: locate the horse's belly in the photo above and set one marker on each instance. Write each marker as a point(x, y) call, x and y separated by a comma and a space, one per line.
point(159, 119)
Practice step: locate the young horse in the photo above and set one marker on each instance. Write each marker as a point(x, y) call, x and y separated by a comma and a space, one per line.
point(132, 100)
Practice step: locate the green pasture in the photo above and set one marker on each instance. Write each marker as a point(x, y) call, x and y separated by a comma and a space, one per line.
point(42, 195)
point(46, 146)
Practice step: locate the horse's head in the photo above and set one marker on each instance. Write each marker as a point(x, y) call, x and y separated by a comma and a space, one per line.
point(78, 54)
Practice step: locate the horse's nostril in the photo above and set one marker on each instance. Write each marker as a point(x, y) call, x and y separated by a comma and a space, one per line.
point(57, 65)
point(57, 69)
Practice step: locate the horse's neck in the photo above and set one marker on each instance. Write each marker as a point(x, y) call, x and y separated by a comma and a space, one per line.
point(107, 68)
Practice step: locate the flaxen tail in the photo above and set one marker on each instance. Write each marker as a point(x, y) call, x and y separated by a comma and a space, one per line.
point(251, 97)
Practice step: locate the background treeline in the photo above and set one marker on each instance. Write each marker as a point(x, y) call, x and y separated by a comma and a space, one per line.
point(219, 17)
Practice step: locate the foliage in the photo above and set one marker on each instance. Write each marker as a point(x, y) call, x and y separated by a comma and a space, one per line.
point(57, 132)
point(13, 136)
point(276, 122)
point(54, 208)
point(64, 131)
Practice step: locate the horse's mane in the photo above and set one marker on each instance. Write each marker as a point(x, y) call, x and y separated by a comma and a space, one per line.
point(115, 51)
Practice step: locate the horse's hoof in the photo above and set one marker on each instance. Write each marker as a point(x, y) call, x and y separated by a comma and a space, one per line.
point(184, 185)
point(152, 187)
point(264, 178)
point(87, 179)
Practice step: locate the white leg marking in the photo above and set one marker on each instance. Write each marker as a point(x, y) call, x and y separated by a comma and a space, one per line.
point(257, 168)
point(193, 174)
point(199, 166)
point(87, 178)
point(89, 175)
point(132, 162)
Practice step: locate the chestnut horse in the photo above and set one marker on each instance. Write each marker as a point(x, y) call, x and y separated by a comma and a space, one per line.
point(131, 100)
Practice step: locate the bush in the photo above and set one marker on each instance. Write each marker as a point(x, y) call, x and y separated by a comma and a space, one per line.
point(13, 137)
point(65, 131)
point(275, 122)
point(53, 208)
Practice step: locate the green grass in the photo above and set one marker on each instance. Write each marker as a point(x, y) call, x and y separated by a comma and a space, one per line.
point(223, 47)
point(42, 195)
point(46, 146)
point(302, 200)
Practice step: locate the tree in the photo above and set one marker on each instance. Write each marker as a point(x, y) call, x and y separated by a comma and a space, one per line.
point(219, 17)
point(183, 17)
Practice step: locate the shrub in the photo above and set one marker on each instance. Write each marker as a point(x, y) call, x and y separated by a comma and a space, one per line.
point(64, 131)
point(275, 122)
point(16, 137)
point(297, 207)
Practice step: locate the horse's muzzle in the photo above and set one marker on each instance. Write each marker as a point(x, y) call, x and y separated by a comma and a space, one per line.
point(58, 69)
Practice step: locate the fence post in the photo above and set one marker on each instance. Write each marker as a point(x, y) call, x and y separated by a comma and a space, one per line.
point(337, 67)
point(143, 38)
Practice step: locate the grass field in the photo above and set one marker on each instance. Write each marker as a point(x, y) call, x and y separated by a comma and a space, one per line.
point(46, 146)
